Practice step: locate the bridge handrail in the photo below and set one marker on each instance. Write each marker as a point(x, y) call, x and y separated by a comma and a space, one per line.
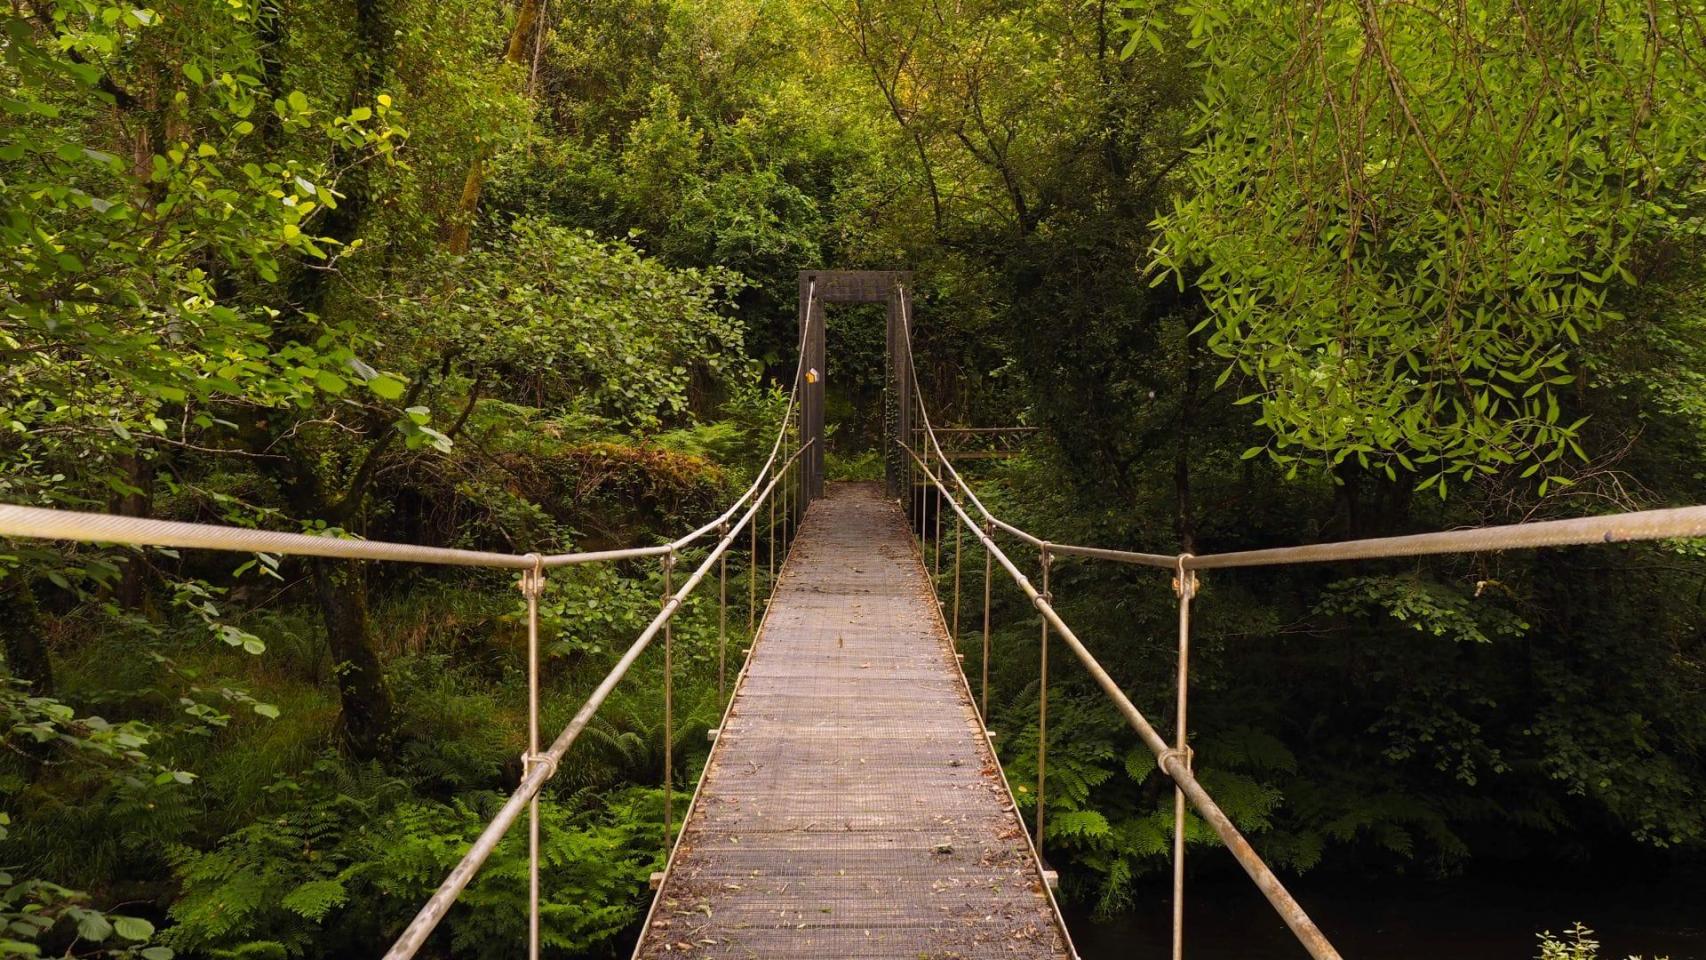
point(1175, 761)
point(545, 767)
point(50, 524)
point(1103, 553)
point(1628, 526)
point(1171, 761)
point(44, 523)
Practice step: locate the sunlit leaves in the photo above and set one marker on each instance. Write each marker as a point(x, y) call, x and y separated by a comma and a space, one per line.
point(120, 324)
point(581, 316)
point(1404, 224)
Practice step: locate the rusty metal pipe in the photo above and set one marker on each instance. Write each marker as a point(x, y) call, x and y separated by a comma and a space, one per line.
point(752, 578)
point(532, 588)
point(722, 618)
point(936, 571)
point(958, 543)
point(668, 704)
point(988, 577)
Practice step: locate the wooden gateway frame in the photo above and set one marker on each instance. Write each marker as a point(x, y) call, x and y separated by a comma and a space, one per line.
point(819, 288)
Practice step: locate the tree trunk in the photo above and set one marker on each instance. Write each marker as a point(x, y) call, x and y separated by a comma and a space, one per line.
point(368, 709)
point(21, 636)
point(139, 502)
point(461, 225)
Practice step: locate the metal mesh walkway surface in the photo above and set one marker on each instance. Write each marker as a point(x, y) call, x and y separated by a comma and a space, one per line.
point(851, 806)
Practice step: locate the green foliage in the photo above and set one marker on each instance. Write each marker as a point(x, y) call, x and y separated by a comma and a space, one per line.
point(1577, 943)
point(865, 466)
point(271, 884)
point(35, 911)
point(316, 874)
point(1423, 605)
point(593, 871)
point(225, 296)
point(576, 316)
point(101, 362)
point(1404, 220)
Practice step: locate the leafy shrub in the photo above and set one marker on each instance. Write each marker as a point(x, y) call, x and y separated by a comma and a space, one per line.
point(1577, 943)
point(350, 864)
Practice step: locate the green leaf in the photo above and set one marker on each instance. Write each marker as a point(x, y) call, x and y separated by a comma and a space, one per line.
point(314, 899)
point(386, 387)
point(91, 925)
point(133, 928)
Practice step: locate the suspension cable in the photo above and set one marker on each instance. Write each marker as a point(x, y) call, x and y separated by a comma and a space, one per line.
point(1174, 760)
point(415, 935)
point(1169, 760)
point(1103, 553)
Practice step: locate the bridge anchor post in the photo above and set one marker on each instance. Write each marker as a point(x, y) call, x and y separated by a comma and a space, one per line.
point(1185, 586)
point(668, 707)
point(1042, 705)
point(532, 588)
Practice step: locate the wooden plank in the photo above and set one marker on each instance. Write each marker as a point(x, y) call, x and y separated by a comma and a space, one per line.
point(852, 806)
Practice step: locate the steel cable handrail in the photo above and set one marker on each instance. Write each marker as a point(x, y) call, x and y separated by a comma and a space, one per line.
point(1630, 526)
point(538, 767)
point(1627, 527)
point(1100, 553)
point(414, 936)
point(1171, 761)
point(1176, 760)
point(48, 524)
point(781, 434)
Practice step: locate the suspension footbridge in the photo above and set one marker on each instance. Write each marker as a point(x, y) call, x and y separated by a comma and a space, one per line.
point(852, 805)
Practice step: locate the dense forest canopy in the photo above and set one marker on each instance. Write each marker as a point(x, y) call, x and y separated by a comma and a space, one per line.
point(522, 276)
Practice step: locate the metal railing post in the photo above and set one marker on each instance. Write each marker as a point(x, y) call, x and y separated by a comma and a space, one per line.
point(532, 587)
point(911, 495)
point(1185, 585)
point(752, 576)
point(958, 543)
point(988, 574)
point(668, 706)
point(722, 613)
point(1042, 708)
point(937, 571)
point(539, 765)
point(1167, 758)
point(918, 502)
point(770, 553)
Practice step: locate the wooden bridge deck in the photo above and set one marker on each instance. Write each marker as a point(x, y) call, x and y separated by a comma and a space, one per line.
point(851, 806)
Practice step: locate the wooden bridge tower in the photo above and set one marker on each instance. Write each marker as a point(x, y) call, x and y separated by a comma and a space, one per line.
point(817, 289)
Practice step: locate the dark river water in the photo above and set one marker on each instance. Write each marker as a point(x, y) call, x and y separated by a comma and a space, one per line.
point(1465, 919)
